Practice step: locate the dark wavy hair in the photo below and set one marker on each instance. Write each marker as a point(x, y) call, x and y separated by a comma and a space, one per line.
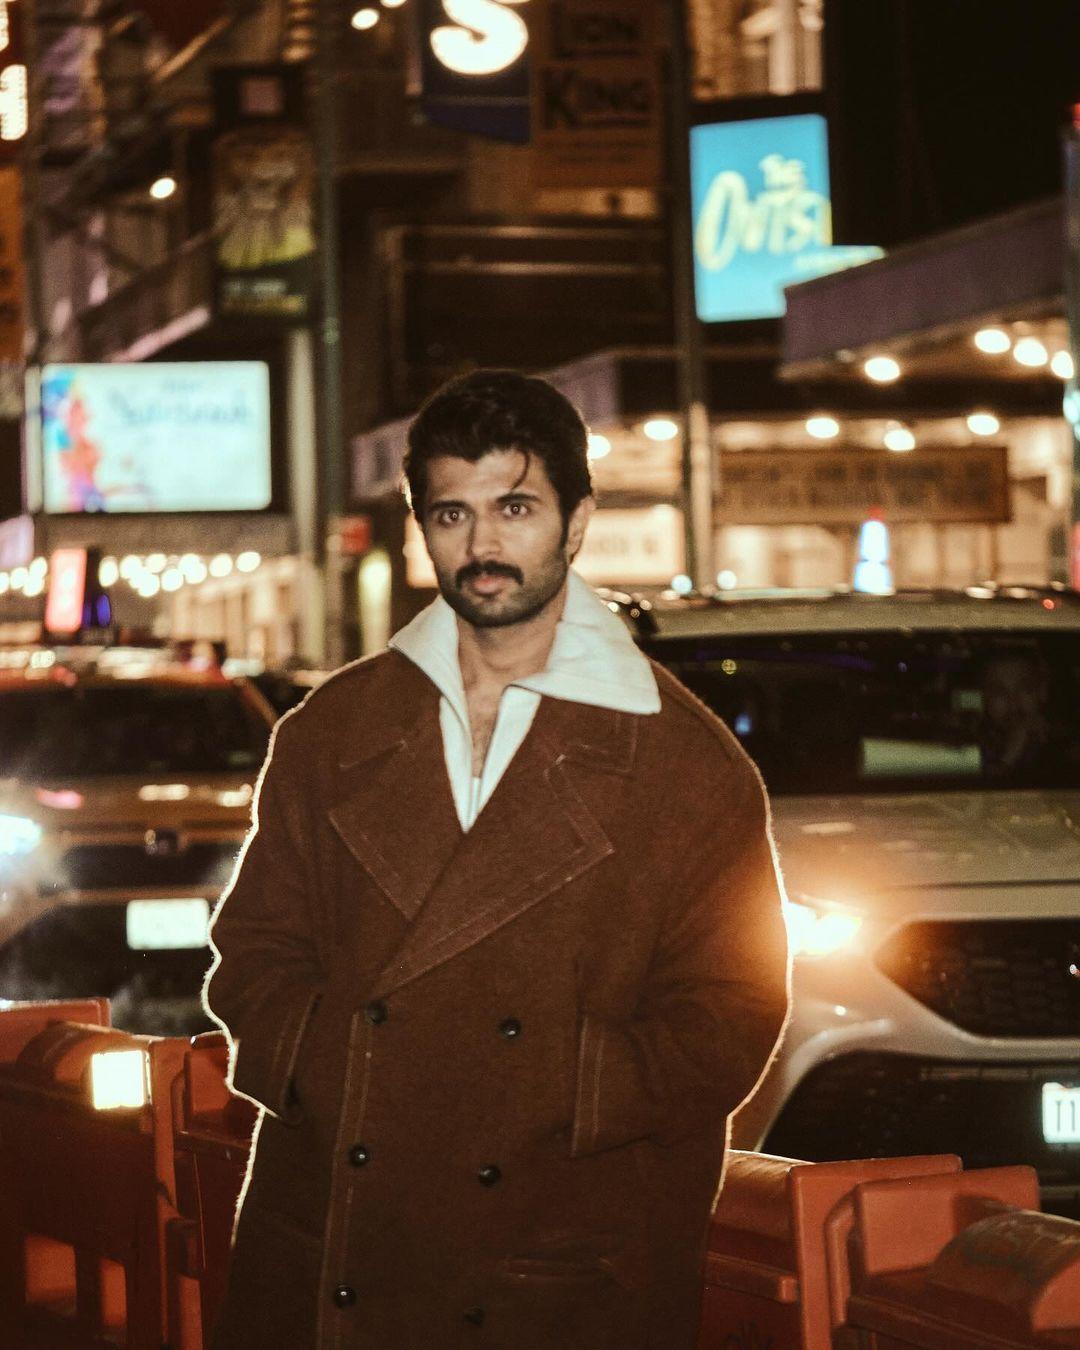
point(501, 410)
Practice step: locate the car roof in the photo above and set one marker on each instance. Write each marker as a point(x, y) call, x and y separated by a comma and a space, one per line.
point(28, 667)
point(981, 608)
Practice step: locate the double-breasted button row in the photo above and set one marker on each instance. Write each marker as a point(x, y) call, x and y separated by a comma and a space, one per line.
point(359, 1155)
point(344, 1296)
point(377, 1012)
point(510, 1027)
point(489, 1175)
point(474, 1317)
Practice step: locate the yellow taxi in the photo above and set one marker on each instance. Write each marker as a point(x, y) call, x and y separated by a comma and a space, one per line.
point(126, 782)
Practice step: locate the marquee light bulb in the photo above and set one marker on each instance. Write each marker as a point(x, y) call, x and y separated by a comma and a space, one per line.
point(899, 439)
point(599, 446)
point(881, 369)
point(983, 424)
point(993, 341)
point(364, 19)
point(1061, 363)
point(161, 189)
point(822, 428)
point(1029, 351)
point(660, 429)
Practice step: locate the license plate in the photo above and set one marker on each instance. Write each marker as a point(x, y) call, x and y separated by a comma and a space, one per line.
point(1061, 1114)
point(167, 925)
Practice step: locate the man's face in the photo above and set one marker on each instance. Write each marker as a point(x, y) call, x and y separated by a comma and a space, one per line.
point(496, 538)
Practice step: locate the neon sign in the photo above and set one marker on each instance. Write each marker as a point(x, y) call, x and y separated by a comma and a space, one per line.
point(14, 115)
point(485, 37)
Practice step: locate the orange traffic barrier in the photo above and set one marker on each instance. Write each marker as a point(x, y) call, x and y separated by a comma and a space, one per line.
point(211, 1141)
point(81, 1211)
point(962, 1263)
point(775, 1272)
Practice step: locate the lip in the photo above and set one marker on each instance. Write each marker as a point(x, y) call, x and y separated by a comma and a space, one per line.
point(488, 585)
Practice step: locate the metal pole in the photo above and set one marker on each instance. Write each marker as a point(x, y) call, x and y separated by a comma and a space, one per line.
point(697, 453)
point(1071, 569)
point(328, 358)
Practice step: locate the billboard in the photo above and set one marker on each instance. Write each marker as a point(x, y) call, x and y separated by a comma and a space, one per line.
point(184, 436)
point(762, 214)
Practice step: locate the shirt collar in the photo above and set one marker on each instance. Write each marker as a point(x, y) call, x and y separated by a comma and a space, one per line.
point(593, 659)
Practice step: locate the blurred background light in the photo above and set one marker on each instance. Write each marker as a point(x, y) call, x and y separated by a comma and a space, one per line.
point(822, 428)
point(993, 341)
point(881, 369)
point(660, 429)
point(599, 446)
point(983, 424)
point(1029, 351)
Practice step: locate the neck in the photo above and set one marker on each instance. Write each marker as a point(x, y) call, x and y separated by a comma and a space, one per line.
point(496, 657)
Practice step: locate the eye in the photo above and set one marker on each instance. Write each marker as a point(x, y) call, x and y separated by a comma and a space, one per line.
point(449, 515)
point(517, 509)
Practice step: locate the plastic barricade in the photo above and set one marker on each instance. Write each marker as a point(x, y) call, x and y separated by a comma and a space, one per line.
point(775, 1272)
point(82, 1211)
point(211, 1141)
point(962, 1263)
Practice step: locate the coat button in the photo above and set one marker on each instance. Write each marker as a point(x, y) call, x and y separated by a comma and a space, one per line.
point(489, 1175)
point(344, 1296)
point(474, 1317)
point(359, 1155)
point(510, 1028)
point(377, 1012)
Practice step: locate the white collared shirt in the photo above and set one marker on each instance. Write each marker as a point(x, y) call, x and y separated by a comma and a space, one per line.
point(593, 660)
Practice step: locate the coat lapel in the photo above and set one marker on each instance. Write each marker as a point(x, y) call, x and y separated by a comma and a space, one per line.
point(398, 818)
point(535, 836)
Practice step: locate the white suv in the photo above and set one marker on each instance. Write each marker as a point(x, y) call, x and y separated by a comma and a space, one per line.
point(922, 753)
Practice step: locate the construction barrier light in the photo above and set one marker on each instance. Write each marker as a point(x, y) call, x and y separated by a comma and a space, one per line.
point(118, 1080)
point(873, 575)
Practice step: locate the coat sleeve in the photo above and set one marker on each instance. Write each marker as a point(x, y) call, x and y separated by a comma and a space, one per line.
point(714, 999)
point(266, 979)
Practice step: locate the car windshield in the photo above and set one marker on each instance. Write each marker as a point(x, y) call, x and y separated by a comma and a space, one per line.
point(893, 711)
point(91, 730)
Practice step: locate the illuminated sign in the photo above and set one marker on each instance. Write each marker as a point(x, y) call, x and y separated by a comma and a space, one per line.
point(168, 436)
point(473, 66)
point(13, 95)
point(762, 214)
point(484, 38)
point(67, 591)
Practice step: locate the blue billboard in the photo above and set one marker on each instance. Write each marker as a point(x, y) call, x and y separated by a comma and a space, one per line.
point(762, 214)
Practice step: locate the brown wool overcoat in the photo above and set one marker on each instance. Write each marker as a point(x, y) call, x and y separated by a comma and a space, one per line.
point(496, 1067)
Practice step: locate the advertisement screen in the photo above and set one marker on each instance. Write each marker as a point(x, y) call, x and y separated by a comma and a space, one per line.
point(190, 436)
point(762, 214)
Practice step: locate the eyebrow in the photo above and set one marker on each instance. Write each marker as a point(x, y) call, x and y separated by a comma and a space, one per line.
point(515, 495)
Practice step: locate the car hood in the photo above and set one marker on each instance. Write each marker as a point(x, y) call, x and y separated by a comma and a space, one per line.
point(850, 848)
point(79, 804)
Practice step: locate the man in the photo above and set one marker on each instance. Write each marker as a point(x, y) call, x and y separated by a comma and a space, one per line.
point(503, 951)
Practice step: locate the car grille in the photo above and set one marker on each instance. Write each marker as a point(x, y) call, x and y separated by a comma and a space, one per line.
point(91, 867)
point(865, 1105)
point(81, 952)
point(992, 977)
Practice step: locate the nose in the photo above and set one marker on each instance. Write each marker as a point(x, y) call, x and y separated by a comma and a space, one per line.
point(484, 539)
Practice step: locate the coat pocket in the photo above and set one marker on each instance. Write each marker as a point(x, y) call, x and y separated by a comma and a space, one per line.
point(272, 1297)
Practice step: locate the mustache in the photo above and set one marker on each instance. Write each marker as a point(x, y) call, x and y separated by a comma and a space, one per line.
point(489, 569)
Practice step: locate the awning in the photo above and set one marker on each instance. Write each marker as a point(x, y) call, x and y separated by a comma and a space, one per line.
point(1007, 267)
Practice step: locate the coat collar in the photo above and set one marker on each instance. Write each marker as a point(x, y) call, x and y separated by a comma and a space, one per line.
point(536, 834)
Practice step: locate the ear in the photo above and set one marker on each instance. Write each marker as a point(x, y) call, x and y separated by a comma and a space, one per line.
point(578, 524)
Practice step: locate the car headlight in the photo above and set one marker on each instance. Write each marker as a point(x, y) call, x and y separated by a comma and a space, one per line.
point(819, 932)
point(18, 836)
